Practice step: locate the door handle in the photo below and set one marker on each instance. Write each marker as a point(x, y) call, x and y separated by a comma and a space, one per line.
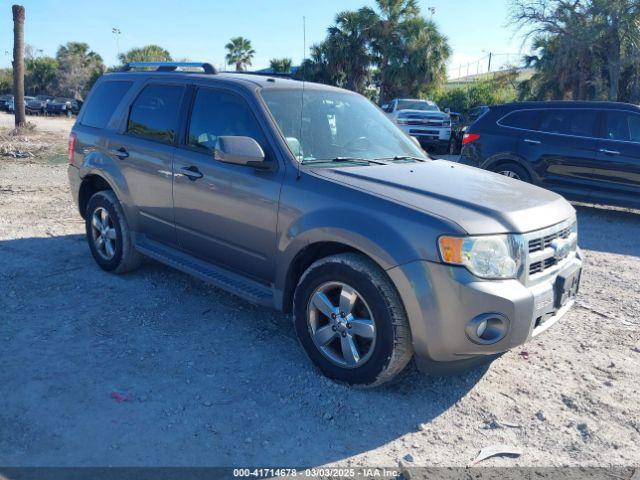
point(609, 152)
point(532, 142)
point(192, 172)
point(121, 153)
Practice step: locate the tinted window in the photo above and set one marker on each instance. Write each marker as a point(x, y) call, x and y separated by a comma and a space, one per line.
point(581, 123)
point(521, 119)
point(103, 101)
point(623, 126)
point(154, 114)
point(216, 114)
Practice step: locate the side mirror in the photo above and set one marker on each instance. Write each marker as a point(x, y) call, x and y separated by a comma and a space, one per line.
point(385, 107)
point(240, 151)
point(447, 110)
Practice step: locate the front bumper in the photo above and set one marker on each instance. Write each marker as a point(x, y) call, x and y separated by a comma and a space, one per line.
point(441, 300)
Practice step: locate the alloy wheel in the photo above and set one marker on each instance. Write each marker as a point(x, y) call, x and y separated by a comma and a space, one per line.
point(103, 233)
point(510, 174)
point(341, 324)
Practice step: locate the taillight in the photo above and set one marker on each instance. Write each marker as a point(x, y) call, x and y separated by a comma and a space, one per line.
point(72, 147)
point(470, 138)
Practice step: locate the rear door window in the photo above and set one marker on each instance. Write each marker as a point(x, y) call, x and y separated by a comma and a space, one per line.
point(525, 119)
point(103, 102)
point(579, 123)
point(623, 126)
point(154, 114)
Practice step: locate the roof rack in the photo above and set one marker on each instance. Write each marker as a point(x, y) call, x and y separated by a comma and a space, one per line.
point(168, 66)
point(262, 74)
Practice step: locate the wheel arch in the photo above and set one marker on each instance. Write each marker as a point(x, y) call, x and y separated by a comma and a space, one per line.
point(306, 256)
point(89, 186)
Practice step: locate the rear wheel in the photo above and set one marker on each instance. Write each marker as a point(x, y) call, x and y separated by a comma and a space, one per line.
point(513, 170)
point(108, 234)
point(351, 322)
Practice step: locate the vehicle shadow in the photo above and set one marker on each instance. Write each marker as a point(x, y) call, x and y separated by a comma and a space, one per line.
point(608, 230)
point(157, 368)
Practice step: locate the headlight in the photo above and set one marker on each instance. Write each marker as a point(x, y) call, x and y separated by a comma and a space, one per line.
point(492, 257)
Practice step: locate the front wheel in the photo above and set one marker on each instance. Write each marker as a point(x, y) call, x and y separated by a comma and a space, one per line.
point(351, 322)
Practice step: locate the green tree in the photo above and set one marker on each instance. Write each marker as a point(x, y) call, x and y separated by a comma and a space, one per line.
point(41, 75)
point(148, 53)
point(395, 47)
point(502, 88)
point(6, 80)
point(583, 49)
point(240, 53)
point(280, 65)
point(79, 67)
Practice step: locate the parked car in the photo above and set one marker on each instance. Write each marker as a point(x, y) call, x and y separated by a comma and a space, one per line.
point(586, 151)
point(63, 106)
point(4, 102)
point(325, 209)
point(12, 104)
point(457, 132)
point(423, 120)
point(38, 105)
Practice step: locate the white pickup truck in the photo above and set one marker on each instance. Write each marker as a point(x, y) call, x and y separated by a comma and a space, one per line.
point(423, 120)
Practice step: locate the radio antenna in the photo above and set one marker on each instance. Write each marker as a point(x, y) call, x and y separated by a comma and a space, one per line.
point(304, 68)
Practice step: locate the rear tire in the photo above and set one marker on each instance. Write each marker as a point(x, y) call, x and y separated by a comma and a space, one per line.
point(354, 288)
point(108, 234)
point(513, 170)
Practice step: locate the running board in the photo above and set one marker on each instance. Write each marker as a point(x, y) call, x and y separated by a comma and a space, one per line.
point(231, 282)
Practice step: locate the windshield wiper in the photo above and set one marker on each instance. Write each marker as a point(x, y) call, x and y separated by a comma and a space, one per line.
point(344, 160)
point(402, 157)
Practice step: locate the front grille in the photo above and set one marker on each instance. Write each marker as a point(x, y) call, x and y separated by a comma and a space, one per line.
point(429, 123)
point(541, 256)
point(541, 243)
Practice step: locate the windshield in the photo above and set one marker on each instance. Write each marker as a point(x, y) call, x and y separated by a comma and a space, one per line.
point(336, 125)
point(423, 105)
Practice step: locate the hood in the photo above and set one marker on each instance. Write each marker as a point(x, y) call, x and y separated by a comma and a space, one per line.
point(480, 202)
point(422, 114)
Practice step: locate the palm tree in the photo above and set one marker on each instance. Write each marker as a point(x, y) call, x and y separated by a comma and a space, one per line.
point(18, 64)
point(240, 53)
point(349, 44)
point(148, 53)
point(280, 65)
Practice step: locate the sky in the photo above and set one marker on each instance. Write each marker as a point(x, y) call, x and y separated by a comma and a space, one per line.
point(198, 30)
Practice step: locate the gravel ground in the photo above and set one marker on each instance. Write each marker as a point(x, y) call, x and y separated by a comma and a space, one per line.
point(157, 368)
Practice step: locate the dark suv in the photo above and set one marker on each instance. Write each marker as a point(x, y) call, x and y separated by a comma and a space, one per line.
point(587, 151)
point(309, 199)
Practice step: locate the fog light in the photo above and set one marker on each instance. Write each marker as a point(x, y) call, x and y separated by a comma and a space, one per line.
point(488, 328)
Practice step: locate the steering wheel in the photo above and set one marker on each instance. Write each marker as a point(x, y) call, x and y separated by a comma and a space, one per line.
point(360, 143)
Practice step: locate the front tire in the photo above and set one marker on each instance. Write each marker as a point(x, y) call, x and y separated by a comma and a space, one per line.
point(108, 234)
point(351, 322)
point(513, 170)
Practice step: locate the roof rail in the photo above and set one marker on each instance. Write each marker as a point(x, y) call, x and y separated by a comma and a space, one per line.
point(262, 74)
point(169, 66)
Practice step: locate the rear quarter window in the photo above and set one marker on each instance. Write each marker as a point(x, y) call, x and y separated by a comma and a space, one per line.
point(524, 119)
point(103, 101)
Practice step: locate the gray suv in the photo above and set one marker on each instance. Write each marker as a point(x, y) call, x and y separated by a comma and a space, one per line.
point(310, 200)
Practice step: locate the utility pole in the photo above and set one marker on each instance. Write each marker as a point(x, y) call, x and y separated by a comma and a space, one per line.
point(489, 68)
point(18, 64)
point(116, 33)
